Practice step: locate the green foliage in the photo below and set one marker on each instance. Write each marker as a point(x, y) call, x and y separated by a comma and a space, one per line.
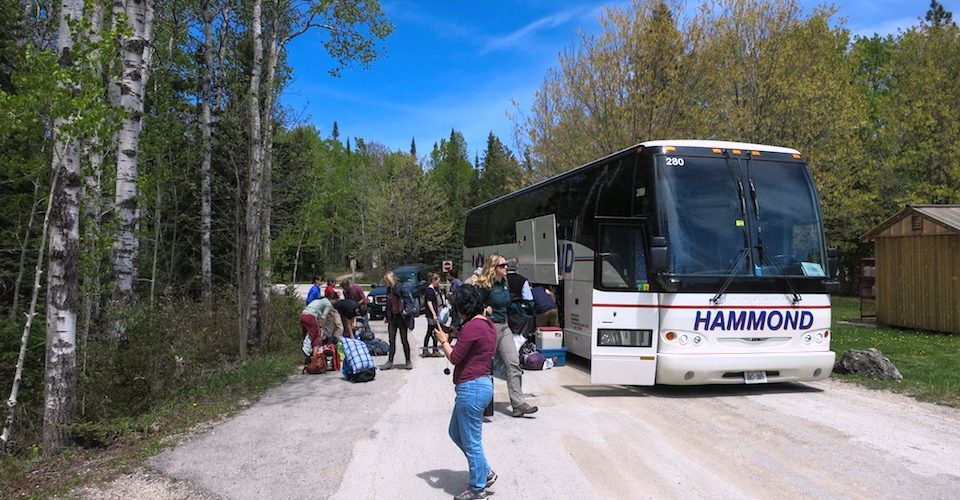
point(500, 172)
point(172, 348)
point(876, 118)
point(927, 360)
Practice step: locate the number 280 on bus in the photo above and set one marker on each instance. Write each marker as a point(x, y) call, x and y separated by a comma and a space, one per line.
point(677, 262)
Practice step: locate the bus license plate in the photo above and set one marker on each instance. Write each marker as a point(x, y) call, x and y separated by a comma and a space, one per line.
point(755, 377)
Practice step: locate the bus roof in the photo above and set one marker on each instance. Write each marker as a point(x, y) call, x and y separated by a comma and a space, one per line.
point(719, 144)
point(649, 144)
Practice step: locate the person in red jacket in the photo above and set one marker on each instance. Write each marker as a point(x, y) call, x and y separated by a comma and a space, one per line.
point(472, 358)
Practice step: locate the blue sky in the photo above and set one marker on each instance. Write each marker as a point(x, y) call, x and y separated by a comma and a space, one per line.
point(461, 65)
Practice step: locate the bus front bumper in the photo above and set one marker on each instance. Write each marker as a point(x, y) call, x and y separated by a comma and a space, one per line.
point(698, 369)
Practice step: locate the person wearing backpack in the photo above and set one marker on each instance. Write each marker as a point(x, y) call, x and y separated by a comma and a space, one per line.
point(472, 358)
point(399, 319)
point(433, 314)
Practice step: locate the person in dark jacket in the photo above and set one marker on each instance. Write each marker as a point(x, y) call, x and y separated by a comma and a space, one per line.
point(399, 318)
point(432, 296)
point(545, 306)
point(348, 310)
point(471, 357)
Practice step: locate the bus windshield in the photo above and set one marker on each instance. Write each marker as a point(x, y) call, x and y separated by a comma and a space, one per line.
point(740, 217)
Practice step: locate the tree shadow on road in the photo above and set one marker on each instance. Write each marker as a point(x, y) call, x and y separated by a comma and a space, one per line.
point(451, 482)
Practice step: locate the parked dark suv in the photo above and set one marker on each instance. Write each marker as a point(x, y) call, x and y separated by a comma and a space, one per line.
point(413, 277)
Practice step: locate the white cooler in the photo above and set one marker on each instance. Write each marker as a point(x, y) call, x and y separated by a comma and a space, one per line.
point(548, 337)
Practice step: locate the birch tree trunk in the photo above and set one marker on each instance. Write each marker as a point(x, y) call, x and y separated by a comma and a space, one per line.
point(135, 53)
point(272, 55)
point(60, 381)
point(207, 153)
point(93, 203)
point(18, 374)
point(250, 333)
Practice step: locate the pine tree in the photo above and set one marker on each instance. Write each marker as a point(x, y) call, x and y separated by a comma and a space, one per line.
point(939, 16)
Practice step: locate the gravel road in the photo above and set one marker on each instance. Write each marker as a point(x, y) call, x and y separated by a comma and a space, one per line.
point(322, 437)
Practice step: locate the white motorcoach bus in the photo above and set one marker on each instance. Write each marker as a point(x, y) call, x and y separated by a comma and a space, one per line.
point(677, 262)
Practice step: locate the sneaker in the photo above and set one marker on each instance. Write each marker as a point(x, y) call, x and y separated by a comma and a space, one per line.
point(425, 353)
point(491, 478)
point(470, 495)
point(408, 366)
point(387, 366)
point(524, 409)
point(437, 354)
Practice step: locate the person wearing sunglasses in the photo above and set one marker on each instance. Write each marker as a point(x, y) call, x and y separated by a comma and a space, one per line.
point(496, 297)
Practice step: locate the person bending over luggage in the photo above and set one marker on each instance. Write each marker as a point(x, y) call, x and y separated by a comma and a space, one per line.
point(333, 326)
point(496, 297)
point(472, 358)
point(348, 310)
point(545, 306)
point(311, 318)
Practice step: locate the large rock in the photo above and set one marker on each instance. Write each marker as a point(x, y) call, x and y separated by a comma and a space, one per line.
point(870, 362)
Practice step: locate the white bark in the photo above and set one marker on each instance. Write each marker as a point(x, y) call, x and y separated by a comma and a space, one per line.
point(272, 56)
point(18, 374)
point(205, 126)
point(250, 333)
point(60, 374)
point(135, 53)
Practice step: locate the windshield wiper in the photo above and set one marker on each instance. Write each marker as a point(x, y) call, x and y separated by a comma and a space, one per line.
point(796, 298)
point(744, 253)
point(733, 272)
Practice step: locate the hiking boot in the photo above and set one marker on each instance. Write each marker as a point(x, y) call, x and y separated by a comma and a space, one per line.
point(470, 495)
point(408, 366)
point(491, 478)
point(387, 366)
point(524, 409)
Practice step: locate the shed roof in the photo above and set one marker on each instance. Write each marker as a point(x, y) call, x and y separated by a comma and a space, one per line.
point(947, 216)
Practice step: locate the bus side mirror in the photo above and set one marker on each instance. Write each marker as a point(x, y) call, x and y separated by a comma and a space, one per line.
point(659, 254)
point(833, 262)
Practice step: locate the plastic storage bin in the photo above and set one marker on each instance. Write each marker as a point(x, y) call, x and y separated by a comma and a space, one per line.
point(559, 355)
point(548, 338)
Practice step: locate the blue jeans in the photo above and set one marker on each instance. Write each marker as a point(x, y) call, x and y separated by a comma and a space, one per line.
point(466, 426)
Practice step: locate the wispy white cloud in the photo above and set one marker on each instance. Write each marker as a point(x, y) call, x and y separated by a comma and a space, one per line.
point(521, 36)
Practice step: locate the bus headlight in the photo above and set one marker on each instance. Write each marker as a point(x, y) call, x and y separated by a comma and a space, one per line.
point(819, 337)
point(697, 339)
point(683, 340)
point(624, 338)
point(807, 338)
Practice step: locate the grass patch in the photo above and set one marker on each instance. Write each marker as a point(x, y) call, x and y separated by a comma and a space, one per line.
point(927, 360)
point(134, 440)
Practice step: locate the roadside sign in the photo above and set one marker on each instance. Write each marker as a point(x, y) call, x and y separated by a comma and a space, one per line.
point(447, 265)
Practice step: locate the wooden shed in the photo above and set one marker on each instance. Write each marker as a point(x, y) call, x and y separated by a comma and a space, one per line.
point(918, 268)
